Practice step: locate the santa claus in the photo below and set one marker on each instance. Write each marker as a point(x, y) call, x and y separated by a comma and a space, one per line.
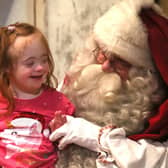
point(119, 86)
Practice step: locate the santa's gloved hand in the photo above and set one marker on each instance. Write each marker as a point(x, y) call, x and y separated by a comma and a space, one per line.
point(77, 131)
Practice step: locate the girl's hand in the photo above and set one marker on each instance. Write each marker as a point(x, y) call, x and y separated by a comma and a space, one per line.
point(58, 121)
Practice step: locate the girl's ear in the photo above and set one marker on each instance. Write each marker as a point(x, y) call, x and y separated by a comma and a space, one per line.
point(8, 69)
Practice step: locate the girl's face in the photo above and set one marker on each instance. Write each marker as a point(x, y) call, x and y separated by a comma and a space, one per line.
point(31, 65)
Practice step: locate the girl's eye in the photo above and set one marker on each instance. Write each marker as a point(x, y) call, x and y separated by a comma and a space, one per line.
point(29, 63)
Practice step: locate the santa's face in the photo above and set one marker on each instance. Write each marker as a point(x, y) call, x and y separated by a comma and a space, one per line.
point(112, 63)
point(108, 90)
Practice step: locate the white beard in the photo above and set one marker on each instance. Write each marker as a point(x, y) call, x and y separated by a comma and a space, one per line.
point(104, 99)
point(99, 100)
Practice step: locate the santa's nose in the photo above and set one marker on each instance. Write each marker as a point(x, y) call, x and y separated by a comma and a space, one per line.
point(107, 66)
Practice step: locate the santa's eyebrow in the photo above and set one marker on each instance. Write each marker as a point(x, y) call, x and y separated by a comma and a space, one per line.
point(95, 49)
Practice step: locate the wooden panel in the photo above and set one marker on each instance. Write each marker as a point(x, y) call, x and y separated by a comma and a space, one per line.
point(39, 12)
point(9, 11)
point(68, 23)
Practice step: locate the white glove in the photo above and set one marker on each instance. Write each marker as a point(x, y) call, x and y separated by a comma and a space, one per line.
point(77, 131)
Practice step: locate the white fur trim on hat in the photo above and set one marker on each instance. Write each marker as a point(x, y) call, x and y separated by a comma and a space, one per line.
point(121, 31)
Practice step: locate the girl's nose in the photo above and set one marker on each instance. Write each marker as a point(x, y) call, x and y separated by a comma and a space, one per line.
point(39, 67)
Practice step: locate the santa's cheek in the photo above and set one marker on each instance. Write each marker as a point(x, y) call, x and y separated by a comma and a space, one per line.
point(122, 68)
point(123, 73)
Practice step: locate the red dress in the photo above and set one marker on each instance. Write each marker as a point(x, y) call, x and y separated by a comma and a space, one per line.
point(24, 141)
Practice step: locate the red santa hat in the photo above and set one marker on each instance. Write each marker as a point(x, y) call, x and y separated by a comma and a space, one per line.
point(121, 30)
point(157, 27)
point(137, 31)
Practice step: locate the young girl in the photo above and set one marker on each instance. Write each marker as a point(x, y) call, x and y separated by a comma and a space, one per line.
point(28, 100)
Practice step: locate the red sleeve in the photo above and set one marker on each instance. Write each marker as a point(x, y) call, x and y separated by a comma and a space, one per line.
point(4, 119)
point(67, 106)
